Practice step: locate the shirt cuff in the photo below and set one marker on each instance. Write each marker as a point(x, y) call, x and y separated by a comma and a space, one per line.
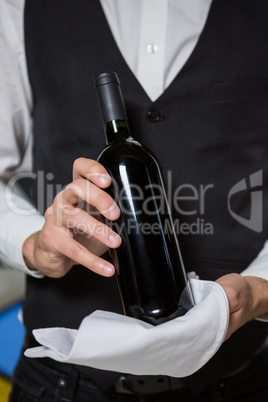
point(14, 237)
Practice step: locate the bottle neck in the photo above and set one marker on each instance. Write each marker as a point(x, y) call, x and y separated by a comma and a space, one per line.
point(116, 130)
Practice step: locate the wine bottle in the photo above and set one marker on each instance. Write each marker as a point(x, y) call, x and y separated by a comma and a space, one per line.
point(149, 269)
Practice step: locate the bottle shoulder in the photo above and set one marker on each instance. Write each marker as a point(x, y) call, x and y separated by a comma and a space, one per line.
point(127, 149)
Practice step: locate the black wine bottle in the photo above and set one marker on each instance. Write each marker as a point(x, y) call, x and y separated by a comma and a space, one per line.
point(149, 270)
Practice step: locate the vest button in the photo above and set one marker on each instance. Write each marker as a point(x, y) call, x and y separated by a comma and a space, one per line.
point(154, 116)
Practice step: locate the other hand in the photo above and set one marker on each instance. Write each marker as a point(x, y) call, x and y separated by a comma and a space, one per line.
point(248, 299)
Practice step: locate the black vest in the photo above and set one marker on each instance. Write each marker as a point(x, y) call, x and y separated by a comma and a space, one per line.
point(208, 131)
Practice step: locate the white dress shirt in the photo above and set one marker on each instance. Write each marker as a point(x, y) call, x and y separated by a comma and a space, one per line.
point(155, 37)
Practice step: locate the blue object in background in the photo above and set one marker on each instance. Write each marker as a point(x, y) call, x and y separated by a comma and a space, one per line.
point(11, 339)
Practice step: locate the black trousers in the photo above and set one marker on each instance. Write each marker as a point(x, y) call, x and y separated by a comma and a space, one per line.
point(34, 381)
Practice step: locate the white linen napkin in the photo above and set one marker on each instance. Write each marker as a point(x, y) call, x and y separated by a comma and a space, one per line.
point(115, 342)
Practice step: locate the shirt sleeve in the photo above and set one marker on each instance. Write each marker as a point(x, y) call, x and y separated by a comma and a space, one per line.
point(18, 218)
point(259, 266)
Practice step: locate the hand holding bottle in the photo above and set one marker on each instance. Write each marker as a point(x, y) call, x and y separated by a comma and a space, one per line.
point(70, 234)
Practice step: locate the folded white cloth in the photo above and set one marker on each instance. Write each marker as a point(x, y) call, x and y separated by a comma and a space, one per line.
point(114, 342)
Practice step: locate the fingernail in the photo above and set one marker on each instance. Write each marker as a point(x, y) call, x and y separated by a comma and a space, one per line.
point(105, 179)
point(108, 269)
point(114, 238)
point(113, 211)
